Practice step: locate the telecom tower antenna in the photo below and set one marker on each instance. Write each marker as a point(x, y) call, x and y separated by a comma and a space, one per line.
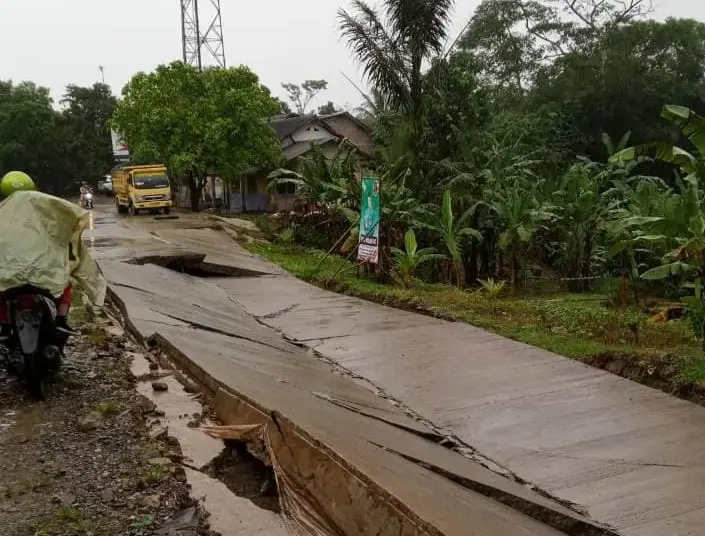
point(202, 33)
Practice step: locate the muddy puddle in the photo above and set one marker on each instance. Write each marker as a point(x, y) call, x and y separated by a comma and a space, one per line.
point(245, 476)
point(237, 490)
point(231, 515)
point(23, 423)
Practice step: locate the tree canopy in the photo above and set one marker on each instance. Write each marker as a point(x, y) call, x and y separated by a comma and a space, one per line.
point(199, 123)
point(56, 147)
point(302, 94)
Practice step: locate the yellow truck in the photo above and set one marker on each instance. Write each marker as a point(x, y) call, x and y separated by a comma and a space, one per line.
point(138, 188)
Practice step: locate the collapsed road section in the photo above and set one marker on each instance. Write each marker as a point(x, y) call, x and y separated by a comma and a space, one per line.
point(347, 462)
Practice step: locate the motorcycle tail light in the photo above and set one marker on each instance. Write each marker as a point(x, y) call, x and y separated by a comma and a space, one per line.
point(26, 302)
point(65, 302)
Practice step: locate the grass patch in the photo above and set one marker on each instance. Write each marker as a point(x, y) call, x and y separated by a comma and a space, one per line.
point(67, 521)
point(579, 326)
point(152, 475)
point(109, 408)
point(81, 317)
point(32, 483)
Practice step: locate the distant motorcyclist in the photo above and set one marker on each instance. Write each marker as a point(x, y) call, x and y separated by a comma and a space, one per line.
point(85, 189)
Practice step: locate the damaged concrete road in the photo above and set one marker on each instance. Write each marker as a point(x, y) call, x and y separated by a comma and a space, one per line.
point(628, 454)
point(346, 460)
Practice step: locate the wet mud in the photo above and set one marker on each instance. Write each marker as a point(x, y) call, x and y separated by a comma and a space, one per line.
point(245, 476)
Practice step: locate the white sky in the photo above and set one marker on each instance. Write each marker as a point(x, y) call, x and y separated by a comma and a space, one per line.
point(55, 43)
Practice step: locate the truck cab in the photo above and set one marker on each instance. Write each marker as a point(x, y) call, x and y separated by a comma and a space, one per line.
point(142, 188)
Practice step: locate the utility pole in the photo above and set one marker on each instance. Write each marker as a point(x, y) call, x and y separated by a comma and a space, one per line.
point(202, 33)
point(102, 73)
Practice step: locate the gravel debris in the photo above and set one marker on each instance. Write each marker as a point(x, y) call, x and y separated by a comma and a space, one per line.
point(82, 462)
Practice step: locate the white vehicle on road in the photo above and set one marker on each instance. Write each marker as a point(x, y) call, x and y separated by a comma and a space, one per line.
point(105, 185)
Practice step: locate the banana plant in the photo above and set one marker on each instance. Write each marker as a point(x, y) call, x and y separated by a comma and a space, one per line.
point(407, 261)
point(324, 183)
point(453, 231)
point(521, 214)
point(682, 221)
point(693, 127)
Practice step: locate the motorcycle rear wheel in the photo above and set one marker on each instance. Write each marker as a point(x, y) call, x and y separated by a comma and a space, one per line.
point(35, 373)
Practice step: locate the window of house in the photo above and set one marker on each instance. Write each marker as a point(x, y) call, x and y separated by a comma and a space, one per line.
point(286, 188)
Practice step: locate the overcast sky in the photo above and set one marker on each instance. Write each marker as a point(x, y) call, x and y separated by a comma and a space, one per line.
point(58, 42)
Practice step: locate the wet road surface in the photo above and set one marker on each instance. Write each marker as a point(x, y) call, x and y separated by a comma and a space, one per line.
point(631, 455)
point(533, 412)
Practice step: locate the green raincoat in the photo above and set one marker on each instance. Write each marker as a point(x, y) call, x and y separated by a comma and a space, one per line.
point(40, 244)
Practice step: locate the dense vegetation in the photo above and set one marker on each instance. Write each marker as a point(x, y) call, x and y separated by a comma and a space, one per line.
point(59, 148)
point(557, 144)
point(199, 123)
point(514, 131)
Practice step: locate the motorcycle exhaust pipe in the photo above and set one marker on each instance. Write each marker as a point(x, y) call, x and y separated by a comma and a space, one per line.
point(66, 331)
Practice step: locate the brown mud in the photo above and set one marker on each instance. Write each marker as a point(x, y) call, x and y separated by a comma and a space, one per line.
point(84, 462)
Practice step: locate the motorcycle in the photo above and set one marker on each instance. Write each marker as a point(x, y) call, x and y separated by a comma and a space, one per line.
point(34, 332)
point(88, 200)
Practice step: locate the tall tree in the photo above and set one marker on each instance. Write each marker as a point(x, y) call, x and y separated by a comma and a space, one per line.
point(30, 134)
point(392, 44)
point(512, 39)
point(327, 109)
point(87, 112)
point(302, 95)
point(199, 122)
point(622, 81)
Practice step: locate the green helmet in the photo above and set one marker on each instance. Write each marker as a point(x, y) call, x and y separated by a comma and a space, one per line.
point(15, 181)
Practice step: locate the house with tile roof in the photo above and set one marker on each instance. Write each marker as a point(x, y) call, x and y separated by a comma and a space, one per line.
point(297, 134)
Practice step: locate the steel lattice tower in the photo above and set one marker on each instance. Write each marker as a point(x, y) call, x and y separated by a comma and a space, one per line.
point(202, 33)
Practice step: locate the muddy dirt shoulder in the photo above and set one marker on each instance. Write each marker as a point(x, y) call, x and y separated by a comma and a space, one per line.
point(84, 462)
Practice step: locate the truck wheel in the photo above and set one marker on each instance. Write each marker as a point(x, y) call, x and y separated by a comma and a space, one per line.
point(132, 210)
point(167, 210)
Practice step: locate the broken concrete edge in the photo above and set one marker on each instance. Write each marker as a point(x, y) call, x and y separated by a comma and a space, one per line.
point(245, 227)
point(162, 260)
point(112, 300)
point(195, 264)
point(552, 518)
point(439, 436)
point(226, 402)
point(535, 510)
point(294, 501)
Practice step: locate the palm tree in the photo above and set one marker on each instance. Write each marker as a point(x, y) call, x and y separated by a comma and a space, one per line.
point(393, 44)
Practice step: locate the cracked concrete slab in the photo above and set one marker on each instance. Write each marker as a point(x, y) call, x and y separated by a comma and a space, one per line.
point(234, 351)
point(627, 453)
point(217, 246)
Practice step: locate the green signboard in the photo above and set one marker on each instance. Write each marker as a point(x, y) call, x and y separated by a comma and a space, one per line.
point(368, 249)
